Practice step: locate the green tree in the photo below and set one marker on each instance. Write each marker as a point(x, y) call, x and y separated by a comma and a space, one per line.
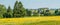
point(19, 10)
point(56, 12)
point(47, 13)
point(8, 14)
point(28, 12)
point(2, 10)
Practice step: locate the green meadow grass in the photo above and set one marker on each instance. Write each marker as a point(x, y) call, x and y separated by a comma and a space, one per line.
point(33, 23)
point(29, 22)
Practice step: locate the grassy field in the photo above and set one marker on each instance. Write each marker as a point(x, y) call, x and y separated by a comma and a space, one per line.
point(48, 20)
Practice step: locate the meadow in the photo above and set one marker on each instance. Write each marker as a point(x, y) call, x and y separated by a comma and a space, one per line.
point(48, 20)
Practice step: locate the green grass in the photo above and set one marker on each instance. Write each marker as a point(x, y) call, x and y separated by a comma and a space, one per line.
point(44, 23)
point(51, 20)
point(33, 23)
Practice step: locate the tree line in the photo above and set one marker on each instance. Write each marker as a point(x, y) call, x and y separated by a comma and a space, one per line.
point(20, 11)
point(17, 11)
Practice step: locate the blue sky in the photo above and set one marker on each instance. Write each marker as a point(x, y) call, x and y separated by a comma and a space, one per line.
point(33, 4)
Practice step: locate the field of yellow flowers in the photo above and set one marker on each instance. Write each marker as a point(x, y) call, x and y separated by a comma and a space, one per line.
point(29, 19)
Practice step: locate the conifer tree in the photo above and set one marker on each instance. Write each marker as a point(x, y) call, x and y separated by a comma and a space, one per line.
point(19, 10)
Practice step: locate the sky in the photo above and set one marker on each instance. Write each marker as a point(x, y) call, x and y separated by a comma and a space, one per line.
point(33, 4)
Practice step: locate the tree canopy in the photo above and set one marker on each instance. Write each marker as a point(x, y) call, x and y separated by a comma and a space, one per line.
point(18, 10)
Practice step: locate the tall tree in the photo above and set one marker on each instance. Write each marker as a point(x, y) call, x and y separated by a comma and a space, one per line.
point(8, 14)
point(18, 10)
point(15, 9)
point(2, 10)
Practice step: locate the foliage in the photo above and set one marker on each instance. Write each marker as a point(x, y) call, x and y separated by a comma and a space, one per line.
point(18, 10)
point(56, 11)
point(47, 13)
point(2, 10)
point(8, 14)
point(28, 12)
